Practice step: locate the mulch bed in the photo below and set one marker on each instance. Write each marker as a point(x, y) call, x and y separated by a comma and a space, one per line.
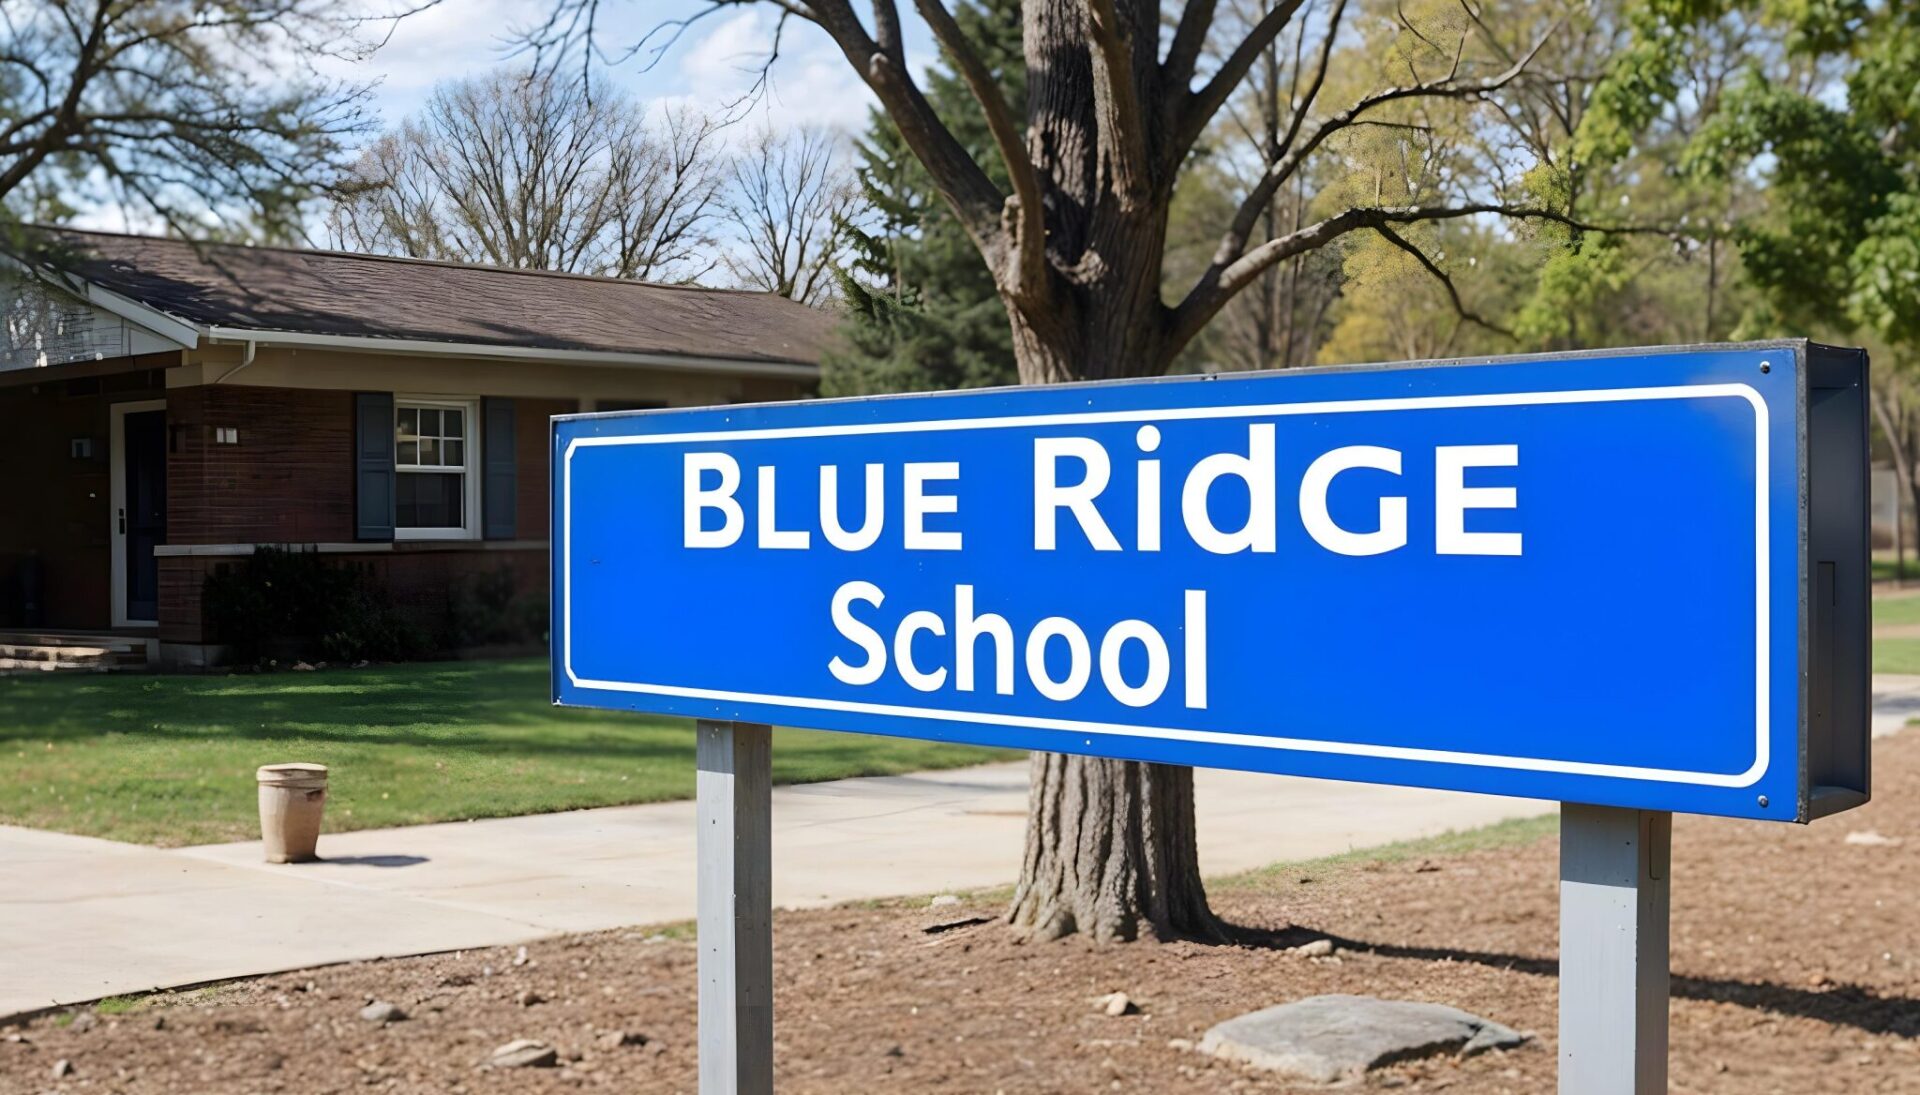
point(1796, 961)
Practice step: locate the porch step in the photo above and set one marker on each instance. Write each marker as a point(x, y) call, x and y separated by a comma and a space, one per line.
point(55, 651)
point(63, 665)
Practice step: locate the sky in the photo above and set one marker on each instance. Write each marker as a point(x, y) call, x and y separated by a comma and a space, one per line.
point(712, 65)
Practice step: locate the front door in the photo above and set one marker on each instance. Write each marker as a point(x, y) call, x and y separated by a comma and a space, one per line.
point(140, 513)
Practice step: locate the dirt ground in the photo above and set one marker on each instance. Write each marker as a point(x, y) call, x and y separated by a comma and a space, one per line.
point(1796, 956)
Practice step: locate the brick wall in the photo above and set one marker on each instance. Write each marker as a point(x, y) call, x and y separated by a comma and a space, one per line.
point(288, 480)
point(291, 480)
point(55, 509)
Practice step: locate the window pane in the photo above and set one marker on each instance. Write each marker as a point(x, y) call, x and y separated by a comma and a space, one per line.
point(407, 452)
point(451, 425)
point(429, 423)
point(453, 453)
point(429, 500)
point(429, 452)
point(409, 422)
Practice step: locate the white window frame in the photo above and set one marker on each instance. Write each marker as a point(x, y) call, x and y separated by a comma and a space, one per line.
point(470, 450)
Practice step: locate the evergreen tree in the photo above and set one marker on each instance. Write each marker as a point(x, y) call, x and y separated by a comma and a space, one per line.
point(922, 311)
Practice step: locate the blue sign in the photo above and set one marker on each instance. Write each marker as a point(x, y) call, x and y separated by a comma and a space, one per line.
point(1578, 578)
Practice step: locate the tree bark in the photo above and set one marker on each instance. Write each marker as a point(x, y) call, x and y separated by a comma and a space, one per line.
point(1110, 853)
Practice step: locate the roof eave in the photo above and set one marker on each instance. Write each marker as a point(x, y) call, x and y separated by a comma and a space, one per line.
point(169, 327)
point(427, 347)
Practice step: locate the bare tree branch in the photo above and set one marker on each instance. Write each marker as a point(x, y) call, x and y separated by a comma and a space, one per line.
point(1441, 276)
point(1221, 282)
point(966, 186)
point(1183, 53)
point(1293, 154)
point(1305, 105)
point(789, 195)
point(1022, 211)
point(1197, 108)
point(140, 102)
point(540, 173)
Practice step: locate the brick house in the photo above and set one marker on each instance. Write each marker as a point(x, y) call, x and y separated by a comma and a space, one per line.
point(166, 408)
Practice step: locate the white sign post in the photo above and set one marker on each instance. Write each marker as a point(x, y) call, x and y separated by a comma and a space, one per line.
point(1614, 980)
point(735, 915)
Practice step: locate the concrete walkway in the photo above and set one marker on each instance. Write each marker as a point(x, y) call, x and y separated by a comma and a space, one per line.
point(87, 918)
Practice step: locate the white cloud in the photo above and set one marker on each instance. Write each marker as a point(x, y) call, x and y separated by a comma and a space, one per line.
point(451, 40)
point(713, 65)
point(810, 82)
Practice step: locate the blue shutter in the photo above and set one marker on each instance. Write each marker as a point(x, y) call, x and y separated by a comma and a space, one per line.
point(373, 465)
point(499, 491)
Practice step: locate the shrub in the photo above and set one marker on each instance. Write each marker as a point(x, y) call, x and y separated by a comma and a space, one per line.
point(487, 608)
point(279, 604)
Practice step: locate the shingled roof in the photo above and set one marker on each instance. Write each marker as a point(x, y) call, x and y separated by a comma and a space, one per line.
point(337, 293)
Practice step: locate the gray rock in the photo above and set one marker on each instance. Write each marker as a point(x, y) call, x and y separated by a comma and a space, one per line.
point(62, 1069)
point(615, 1039)
point(1319, 948)
point(1870, 838)
point(382, 1012)
point(82, 1022)
point(525, 1053)
point(1326, 1039)
point(942, 901)
point(1116, 1004)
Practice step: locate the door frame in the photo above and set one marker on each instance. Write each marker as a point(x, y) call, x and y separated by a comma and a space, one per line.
point(117, 503)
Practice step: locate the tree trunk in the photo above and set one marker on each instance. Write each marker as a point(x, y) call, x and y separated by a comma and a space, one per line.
point(1892, 416)
point(1110, 844)
point(1110, 848)
point(1110, 852)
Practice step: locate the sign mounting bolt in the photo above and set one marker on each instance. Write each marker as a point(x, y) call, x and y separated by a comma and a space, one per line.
point(1763, 802)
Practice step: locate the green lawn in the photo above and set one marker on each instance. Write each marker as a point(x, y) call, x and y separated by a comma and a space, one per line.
point(170, 759)
point(1896, 656)
point(1896, 611)
point(1892, 655)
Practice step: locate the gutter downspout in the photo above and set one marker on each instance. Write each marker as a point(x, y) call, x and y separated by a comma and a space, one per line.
point(245, 361)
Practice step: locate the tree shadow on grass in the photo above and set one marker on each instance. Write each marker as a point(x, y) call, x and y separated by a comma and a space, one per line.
point(1842, 1005)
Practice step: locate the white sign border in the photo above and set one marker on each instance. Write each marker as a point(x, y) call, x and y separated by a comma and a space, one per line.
point(1762, 566)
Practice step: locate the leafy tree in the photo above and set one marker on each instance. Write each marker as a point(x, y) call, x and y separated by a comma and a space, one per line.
point(156, 105)
point(1832, 126)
